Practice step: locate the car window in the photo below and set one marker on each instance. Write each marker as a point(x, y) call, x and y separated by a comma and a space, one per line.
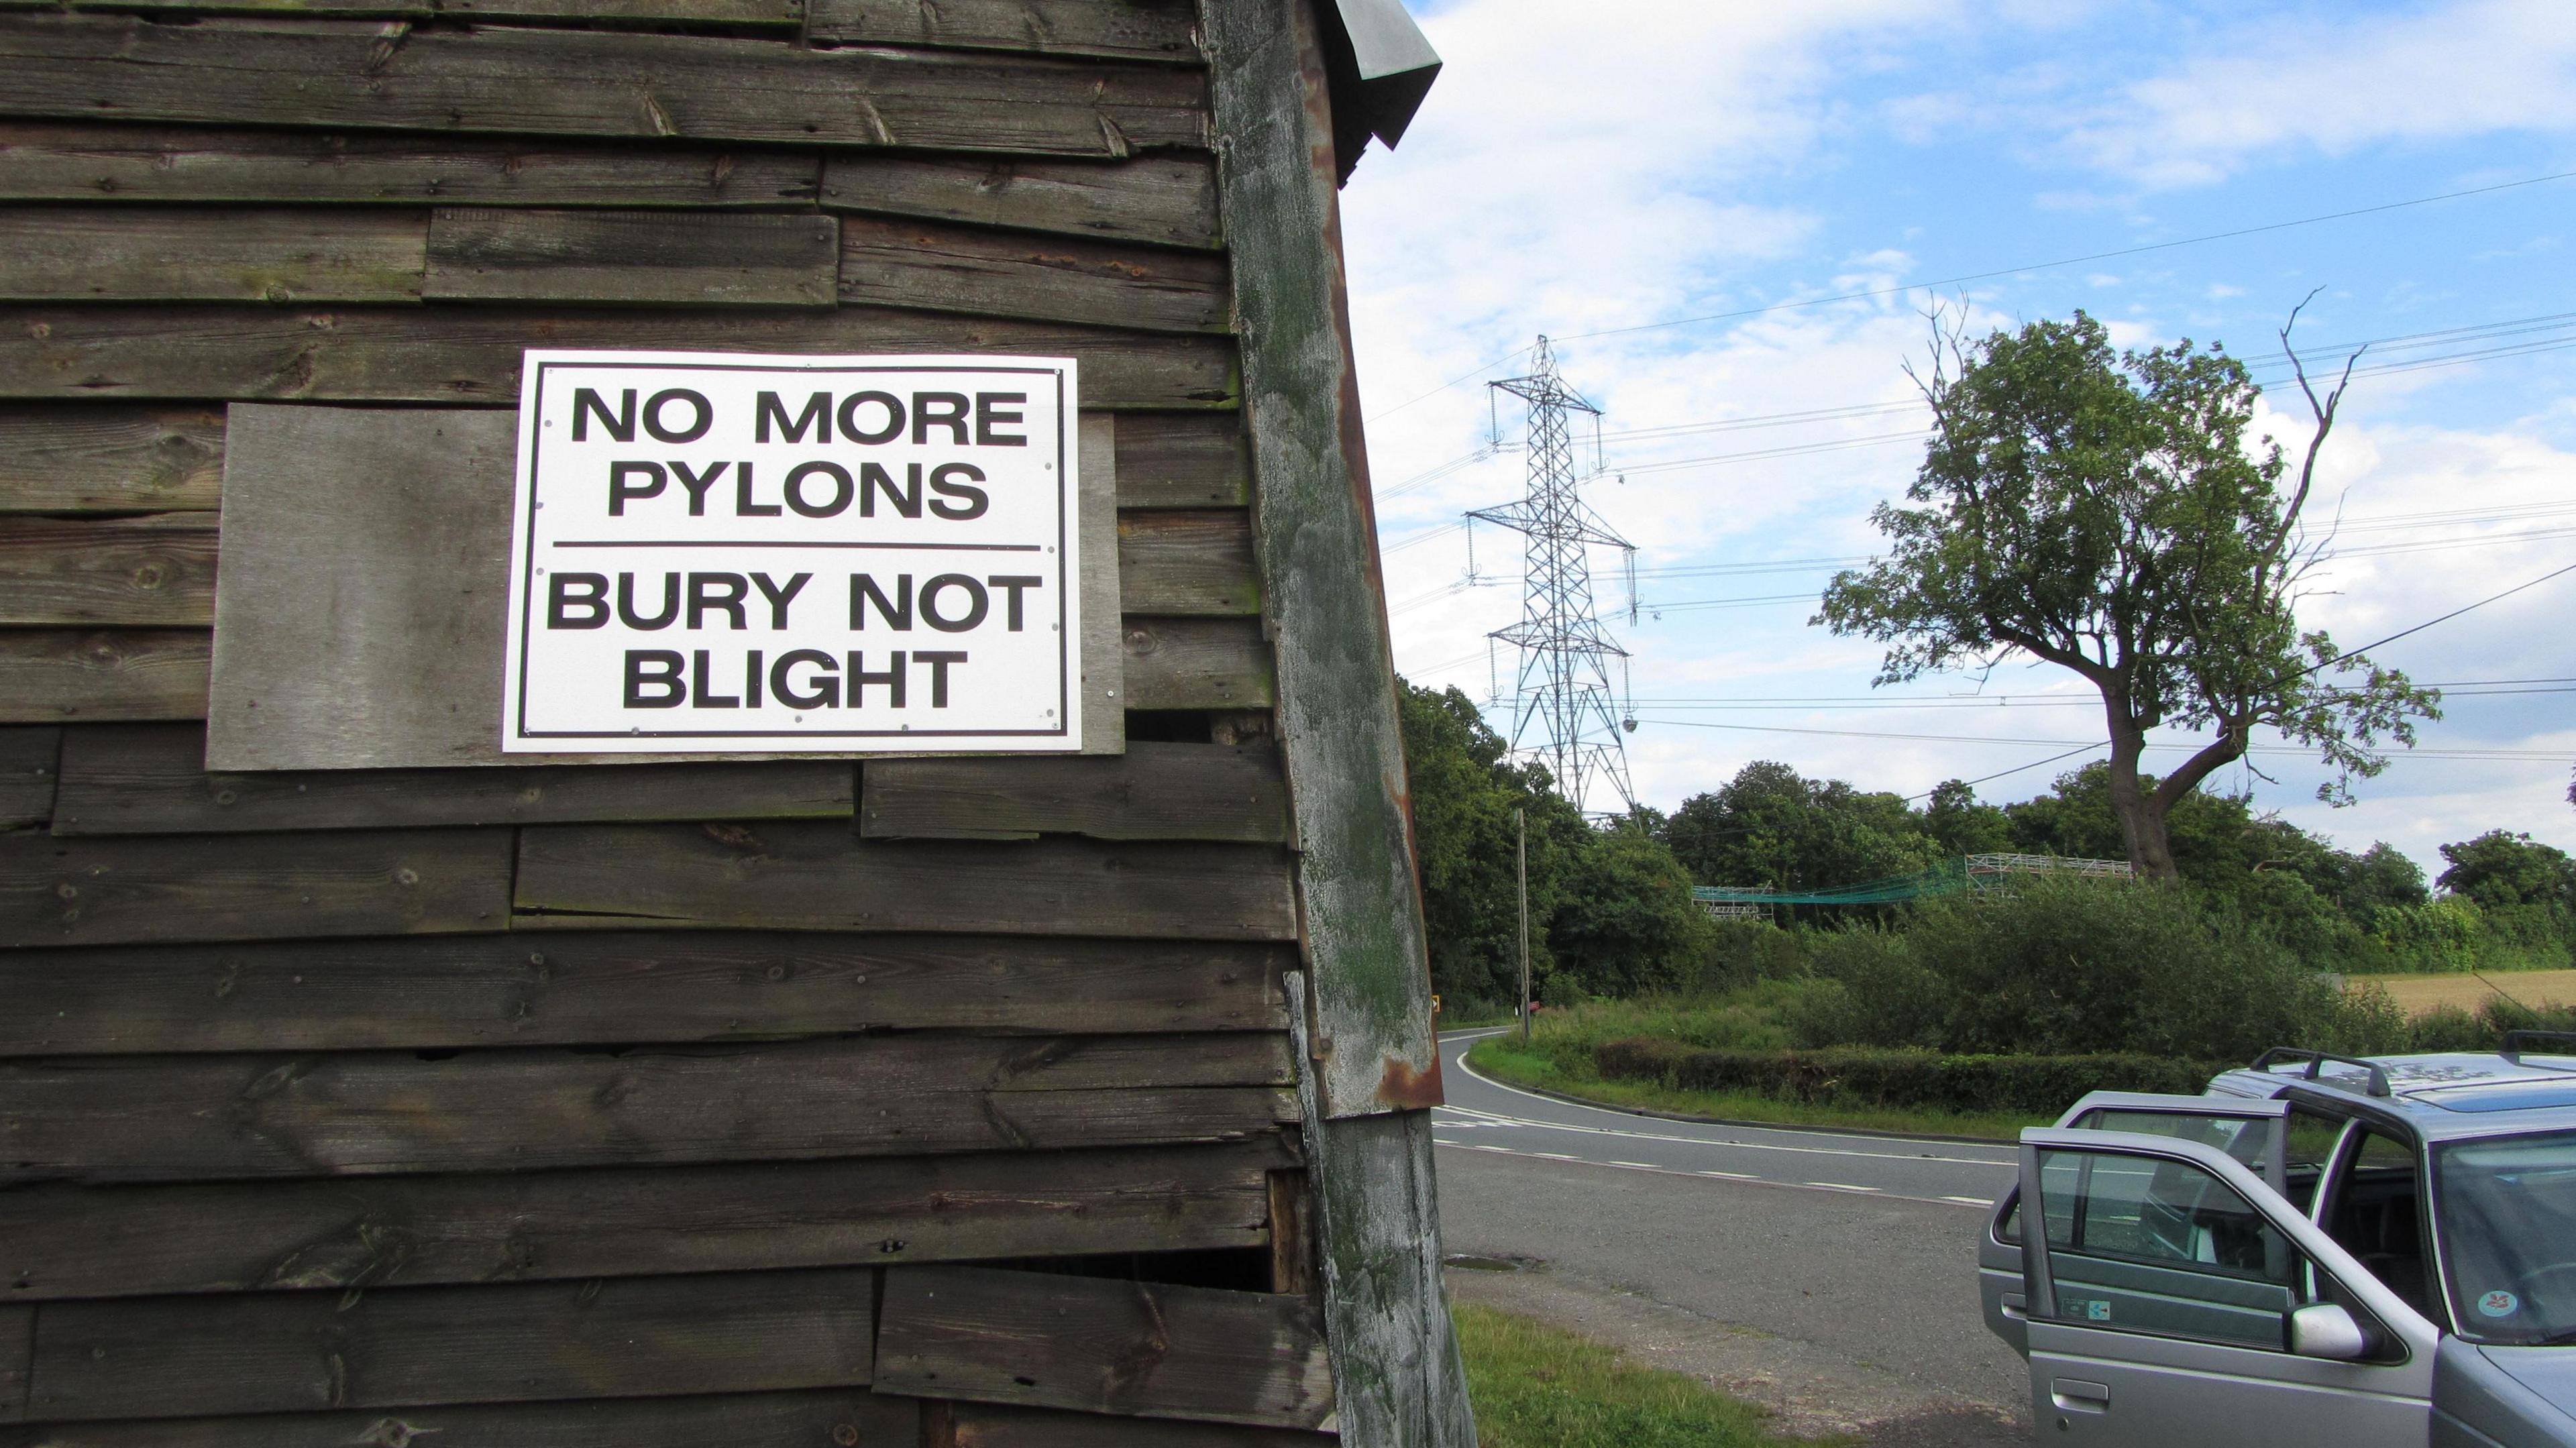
point(2508, 1228)
point(2246, 1140)
point(2144, 1244)
point(2376, 1212)
point(2313, 1139)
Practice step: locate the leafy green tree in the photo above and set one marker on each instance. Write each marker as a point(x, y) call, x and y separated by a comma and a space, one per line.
point(1959, 825)
point(1626, 924)
point(2103, 512)
point(2206, 833)
point(1771, 826)
point(2501, 869)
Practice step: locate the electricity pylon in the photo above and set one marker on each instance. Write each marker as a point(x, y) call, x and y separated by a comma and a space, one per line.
point(1566, 713)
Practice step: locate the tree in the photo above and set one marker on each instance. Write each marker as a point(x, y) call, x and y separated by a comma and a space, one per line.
point(1959, 825)
point(1770, 826)
point(2501, 869)
point(2103, 513)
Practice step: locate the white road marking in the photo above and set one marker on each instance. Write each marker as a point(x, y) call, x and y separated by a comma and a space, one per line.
point(1744, 1177)
point(1969, 1201)
point(1646, 1165)
point(1733, 1176)
point(1490, 1118)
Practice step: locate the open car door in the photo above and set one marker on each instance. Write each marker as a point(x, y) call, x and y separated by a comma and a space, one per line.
point(2254, 1132)
point(2175, 1298)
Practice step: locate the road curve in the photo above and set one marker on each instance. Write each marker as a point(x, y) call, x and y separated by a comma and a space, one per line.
point(1484, 1115)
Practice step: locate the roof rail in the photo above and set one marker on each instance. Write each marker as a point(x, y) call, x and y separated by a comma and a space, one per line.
point(2515, 1042)
point(2316, 1061)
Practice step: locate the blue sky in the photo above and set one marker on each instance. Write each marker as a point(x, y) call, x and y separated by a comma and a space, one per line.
point(1583, 169)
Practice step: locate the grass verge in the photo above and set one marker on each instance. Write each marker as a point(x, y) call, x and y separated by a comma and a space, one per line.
point(1501, 1059)
point(1537, 1386)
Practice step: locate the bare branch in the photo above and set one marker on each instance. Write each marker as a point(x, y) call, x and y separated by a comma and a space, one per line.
point(2323, 410)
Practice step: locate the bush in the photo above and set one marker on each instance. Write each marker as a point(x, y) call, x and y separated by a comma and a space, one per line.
point(1872, 991)
point(2449, 1028)
point(2039, 1085)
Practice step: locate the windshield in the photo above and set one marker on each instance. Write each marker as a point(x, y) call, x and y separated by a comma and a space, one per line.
point(2508, 1229)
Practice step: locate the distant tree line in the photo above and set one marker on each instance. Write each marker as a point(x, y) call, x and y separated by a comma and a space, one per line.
point(1611, 913)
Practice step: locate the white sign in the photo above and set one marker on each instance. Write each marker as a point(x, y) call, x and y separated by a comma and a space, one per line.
point(723, 554)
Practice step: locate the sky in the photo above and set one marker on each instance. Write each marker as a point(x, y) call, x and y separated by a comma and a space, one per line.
point(1730, 219)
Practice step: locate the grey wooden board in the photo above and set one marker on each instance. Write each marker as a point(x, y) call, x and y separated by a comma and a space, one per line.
point(71, 161)
point(1197, 663)
point(151, 779)
point(1138, 29)
point(1104, 665)
point(28, 759)
point(154, 569)
point(724, 259)
point(1195, 561)
point(1323, 590)
point(360, 627)
point(986, 1425)
point(161, 254)
point(312, 1351)
point(111, 459)
point(1182, 460)
point(629, 12)
point(461, 356)
point(800, 875)
point(331, 73)
point(251, 887)
point(1143, 1349)
point(212, 1118)
point(617, 987)
point(934, 265)
point(49, 674)
point(1376, 1209)
point(1157, 791)
point(1168, 199)
point(317, 9)
point(805, 1419)
point(68, 1241)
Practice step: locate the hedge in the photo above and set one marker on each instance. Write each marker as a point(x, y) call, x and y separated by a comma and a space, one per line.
point(2030, 1085)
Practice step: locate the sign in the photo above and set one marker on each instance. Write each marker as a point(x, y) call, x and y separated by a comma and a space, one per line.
point(726, 554)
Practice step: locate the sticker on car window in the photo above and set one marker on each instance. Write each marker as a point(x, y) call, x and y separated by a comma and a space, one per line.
point(2087, 1309)
point(2499, 1304)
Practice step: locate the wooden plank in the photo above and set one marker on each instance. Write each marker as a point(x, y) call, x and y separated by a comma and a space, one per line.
point(1182, 460)
point(1187, 562)
point(69, 1241)
point(156, 568)
point(738, 1420)
point(573, 988)
point(797, 875)
point(17, 1345)
point(306, 1352)
point(1168, 199)
point(724, 259)
point(316, 9)
point(1155, 791)
point(944, 268)
point(1133, 29)
point(48, 674)
point(60, 161)
point(1325, 596)
point(199, 1118)
point(1104, 664)
point(1292, 1237)
point(1144, 1349)
point(1197, 663)
point(630, 12)
point(1366, 1030)
point(156, 254)
point(250, 887)
point(151, 779)
point(987, 1425)
point(29, 756)
point(111, 459)
point(470, 356)
point(330, 74)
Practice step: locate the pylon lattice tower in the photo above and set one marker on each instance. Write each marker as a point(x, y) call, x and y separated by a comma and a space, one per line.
point(1566, 712)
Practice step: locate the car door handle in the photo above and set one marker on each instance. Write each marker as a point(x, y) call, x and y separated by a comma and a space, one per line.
point(2016, 1308)
point(2073, 1395)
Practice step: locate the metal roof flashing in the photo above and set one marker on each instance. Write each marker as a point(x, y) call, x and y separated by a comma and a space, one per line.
point(1380, 67)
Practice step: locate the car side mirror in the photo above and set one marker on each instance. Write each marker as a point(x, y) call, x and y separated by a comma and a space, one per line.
point(2326, 1330)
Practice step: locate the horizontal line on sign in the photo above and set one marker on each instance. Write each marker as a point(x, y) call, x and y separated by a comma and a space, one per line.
point(762, 543)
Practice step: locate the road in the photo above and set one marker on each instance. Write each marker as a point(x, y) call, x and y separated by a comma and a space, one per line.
point(1828, 1275)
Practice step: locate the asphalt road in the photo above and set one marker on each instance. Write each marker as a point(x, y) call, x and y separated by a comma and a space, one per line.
point(1829, 1276)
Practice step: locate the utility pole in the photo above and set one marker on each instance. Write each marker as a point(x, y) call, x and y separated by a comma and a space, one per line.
point(1520, 822)
point(1565, 711)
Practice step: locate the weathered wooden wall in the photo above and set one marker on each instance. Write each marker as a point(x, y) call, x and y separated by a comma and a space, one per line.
point(641, 1104)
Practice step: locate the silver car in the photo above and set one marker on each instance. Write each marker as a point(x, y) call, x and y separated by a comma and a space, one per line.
point(2320, 1250)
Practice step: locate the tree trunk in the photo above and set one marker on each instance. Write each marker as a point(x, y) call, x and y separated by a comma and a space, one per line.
point(2141, 812)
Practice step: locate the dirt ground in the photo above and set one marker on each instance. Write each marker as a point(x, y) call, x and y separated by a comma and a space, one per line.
point(2416, 994)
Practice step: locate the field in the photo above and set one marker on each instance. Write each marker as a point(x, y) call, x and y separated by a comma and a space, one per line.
point(2416, 994)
